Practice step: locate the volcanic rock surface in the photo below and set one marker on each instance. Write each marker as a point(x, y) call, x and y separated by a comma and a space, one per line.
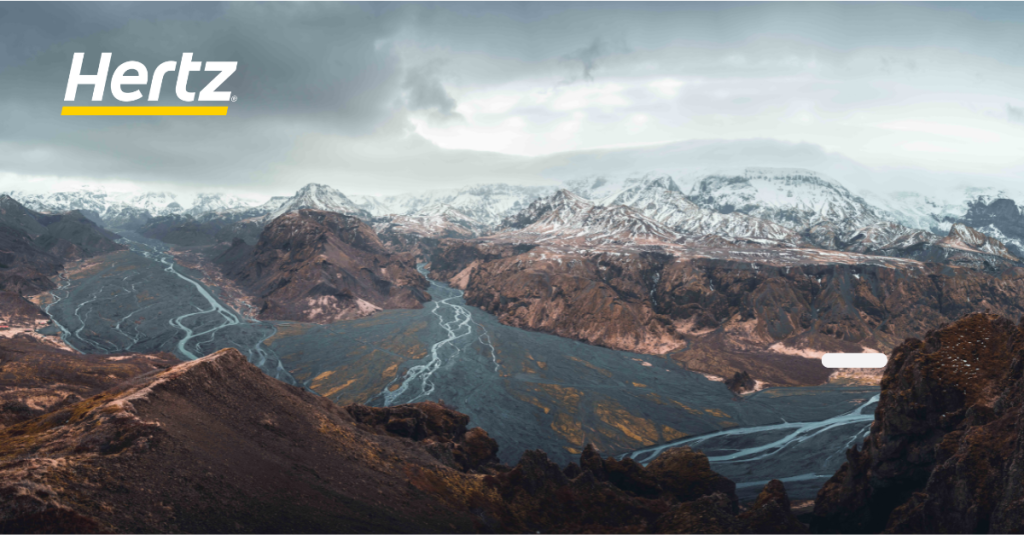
point(946, 450)
point(321, 266)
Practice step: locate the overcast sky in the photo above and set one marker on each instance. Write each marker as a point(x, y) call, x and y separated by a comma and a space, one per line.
point(386, 98)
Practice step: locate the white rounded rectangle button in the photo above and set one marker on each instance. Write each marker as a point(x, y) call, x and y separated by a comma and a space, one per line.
point(854, 360)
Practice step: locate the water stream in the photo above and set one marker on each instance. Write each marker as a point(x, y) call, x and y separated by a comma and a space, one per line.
point(457, 322)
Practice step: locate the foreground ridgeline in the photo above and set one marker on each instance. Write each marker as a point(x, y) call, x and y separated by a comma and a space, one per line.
point(216, 445)
point(945, 453)
point(320, 266)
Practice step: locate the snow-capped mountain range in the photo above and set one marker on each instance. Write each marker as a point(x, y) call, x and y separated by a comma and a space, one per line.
point(769, 206)
point(486, 204)
point(569, 217)
point(661, 200)
point(435, 221)
point(118, 209)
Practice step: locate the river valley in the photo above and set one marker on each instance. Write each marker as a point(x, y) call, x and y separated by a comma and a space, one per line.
point(528, 390)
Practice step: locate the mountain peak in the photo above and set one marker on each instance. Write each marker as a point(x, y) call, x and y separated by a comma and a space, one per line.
point(563, 196)
point(320, 197)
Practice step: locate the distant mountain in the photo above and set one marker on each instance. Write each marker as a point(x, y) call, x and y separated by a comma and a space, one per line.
point(967, 247)
point(319, 197)
point(178, 230)
point(662, 200)
point(488, 204)
point(216, 202)
point(796, 198)
point(1000, 218)
point(821, 210)
point(91, 200)
point(568, 217)
point(33, 246)
point(157, 203)
point(125, 211)
point(437, 221)
point(320, 266)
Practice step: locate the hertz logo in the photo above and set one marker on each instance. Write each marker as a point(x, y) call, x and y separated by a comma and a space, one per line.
point(133, 73)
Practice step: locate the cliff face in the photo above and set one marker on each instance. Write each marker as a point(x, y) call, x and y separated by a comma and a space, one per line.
point(722, 316)
point(216, 445)
point(946, 451)
point(321, 266)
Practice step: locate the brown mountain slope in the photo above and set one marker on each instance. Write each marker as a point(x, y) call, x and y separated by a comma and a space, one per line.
point(215, 445)
point(33, 245)
point(946, 450)
point(324, 267)
point(724, 315)
point(36, 377)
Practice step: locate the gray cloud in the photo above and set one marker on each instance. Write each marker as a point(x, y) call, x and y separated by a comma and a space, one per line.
point(1016, 115)
point(586, 59)
point(892, 65)
point(427, 94)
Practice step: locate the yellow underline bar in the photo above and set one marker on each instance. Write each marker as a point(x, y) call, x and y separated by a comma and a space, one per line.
point(144, 110)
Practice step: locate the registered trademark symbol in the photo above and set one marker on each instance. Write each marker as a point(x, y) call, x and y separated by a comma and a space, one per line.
point(234, 98)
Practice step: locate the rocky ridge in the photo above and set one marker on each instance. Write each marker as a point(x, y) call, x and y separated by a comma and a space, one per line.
point(215, 445)
point(945, 452)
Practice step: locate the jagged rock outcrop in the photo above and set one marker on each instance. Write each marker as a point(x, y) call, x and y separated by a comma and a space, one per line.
point(677, 493)
point(216, 445)
point(740, 382)
point(771, 512)
point(443, 431)
point(946, 450)
point(322, 266)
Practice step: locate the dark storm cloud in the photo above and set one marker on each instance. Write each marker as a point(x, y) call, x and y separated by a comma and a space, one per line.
point(355, 91)
point(303, 69)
